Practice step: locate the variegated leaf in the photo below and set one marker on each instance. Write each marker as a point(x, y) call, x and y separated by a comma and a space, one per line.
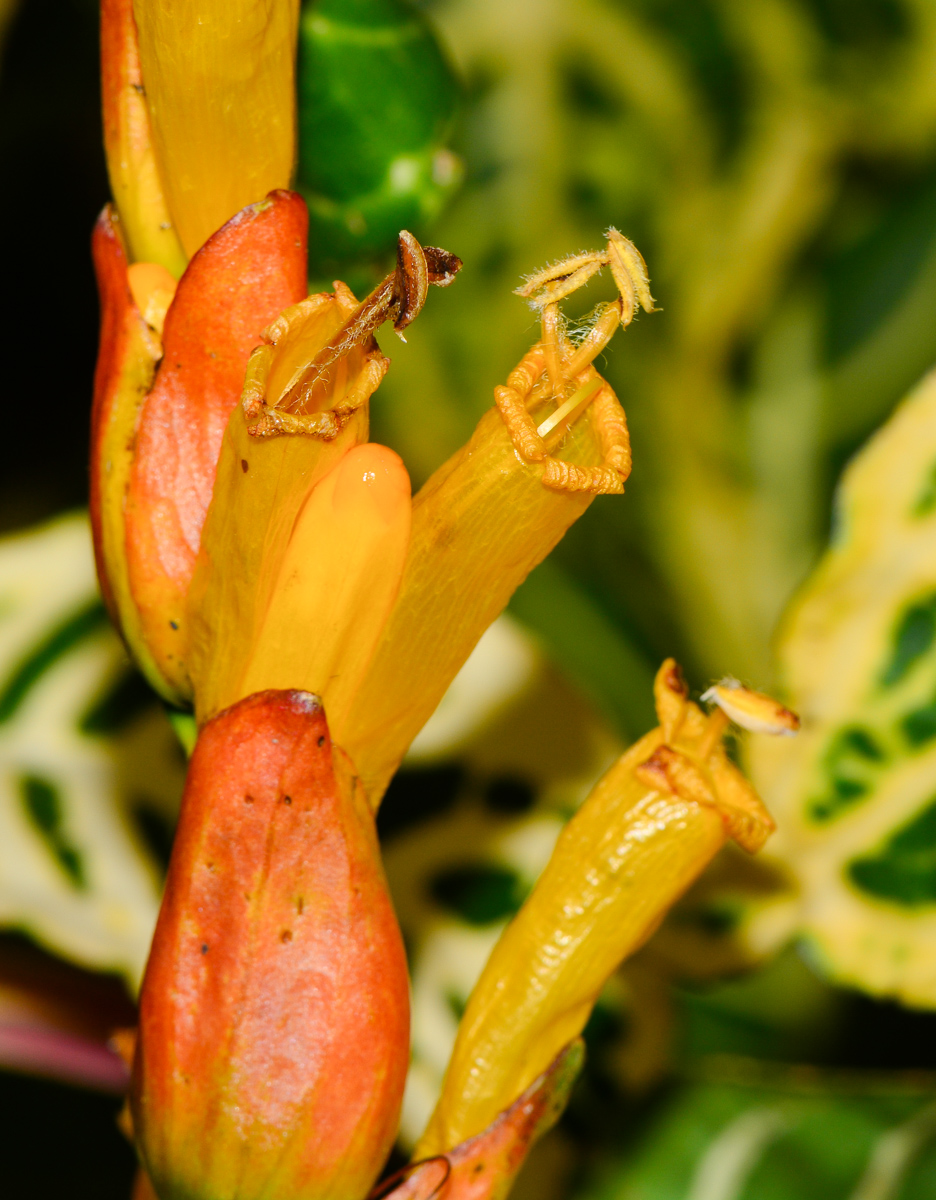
point(855, 794)
point(87, 761)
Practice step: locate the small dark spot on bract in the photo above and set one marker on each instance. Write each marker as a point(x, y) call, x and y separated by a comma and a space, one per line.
point(244, 465)
point(478, 1168)
point(300, 905)
point(204, 947)
point(286, 936)
point(321, 740)
point(248, 799)
point(174, 624)
point(287, 799)
point(210, 866)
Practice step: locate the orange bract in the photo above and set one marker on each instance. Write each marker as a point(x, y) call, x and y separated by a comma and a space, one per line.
point(245, 274)
point(274, 1013)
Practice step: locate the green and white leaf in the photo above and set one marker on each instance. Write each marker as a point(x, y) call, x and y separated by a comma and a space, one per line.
point(79, 755)
point(854, 794)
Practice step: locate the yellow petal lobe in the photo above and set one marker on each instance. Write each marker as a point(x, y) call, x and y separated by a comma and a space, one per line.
point(260, 489)
point(337, 582)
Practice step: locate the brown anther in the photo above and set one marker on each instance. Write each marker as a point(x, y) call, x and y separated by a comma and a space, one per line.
point(443, 267)
point(398, 298)
point(412, 280)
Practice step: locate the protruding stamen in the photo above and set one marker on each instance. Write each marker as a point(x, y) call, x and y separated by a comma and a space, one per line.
point(398, 298)
point(555, 283)
point(551, 322)
point(630, 273)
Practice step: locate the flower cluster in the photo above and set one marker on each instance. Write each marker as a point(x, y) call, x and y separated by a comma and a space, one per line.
point(270, 569)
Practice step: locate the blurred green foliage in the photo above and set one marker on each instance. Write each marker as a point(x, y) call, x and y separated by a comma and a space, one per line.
point(785, 1136)
point(775, 160)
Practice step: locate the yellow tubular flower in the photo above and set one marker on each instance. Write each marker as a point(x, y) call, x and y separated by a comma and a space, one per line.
point(131, 159)
point(220, 87)
point(480, 525)
point(260, 489)
point(647, 830)
point(493, 512)
point(405, 590)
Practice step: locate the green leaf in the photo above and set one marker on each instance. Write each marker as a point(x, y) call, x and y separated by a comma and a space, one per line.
point(376, 102)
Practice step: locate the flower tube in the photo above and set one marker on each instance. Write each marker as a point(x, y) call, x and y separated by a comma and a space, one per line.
point(556, 438)
point(646, 831)
point(299, 568)
point(219, 77)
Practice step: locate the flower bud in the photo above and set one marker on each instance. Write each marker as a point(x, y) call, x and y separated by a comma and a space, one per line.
point(131, 160)
point(274, 1019)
